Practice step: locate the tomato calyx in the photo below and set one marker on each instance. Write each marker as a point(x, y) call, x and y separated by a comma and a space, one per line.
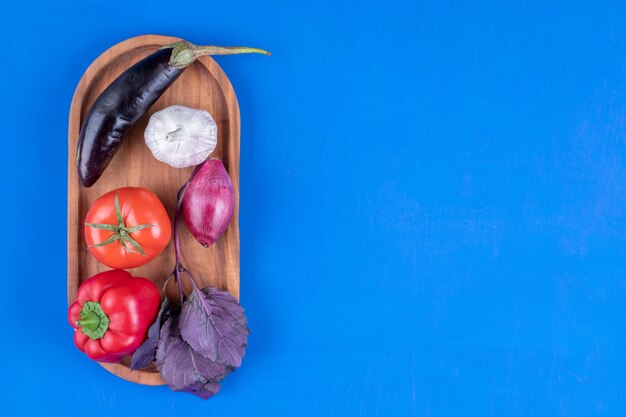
point(120, 231)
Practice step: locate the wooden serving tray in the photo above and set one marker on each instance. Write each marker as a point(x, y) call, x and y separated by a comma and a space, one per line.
point(203, 85)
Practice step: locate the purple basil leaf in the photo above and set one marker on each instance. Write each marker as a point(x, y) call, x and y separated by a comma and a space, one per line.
point(214, 325)
point(204, 391)
point(185, 369)
point(144, 355)
point(226, 300)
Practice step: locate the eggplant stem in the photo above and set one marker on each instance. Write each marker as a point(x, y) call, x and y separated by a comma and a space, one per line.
point(226, 50)
point(185, 53)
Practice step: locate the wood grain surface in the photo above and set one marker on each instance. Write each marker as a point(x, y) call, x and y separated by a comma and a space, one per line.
point(203, 85)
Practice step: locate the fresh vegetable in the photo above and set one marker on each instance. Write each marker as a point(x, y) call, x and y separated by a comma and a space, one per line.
point(199, 341)
point(112, 313)
point(144, 355)
point(213, 324)
point(129, 97)
point(209, 202)
point(127, 227)
point(183, 368)
point(181, 136)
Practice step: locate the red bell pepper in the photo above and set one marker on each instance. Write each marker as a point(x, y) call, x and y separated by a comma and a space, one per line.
point(112, 313)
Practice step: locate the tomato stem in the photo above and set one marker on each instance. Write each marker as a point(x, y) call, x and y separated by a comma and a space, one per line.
point(120, 231)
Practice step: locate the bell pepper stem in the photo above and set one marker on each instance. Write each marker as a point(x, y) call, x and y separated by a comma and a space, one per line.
point(91, 321)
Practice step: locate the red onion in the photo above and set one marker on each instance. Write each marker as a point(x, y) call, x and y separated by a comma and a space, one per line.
point(209, 202)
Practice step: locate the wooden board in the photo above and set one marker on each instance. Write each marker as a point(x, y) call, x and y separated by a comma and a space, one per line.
point(203, 85)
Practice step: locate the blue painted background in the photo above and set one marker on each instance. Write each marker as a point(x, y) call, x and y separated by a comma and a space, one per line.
point(433, 207)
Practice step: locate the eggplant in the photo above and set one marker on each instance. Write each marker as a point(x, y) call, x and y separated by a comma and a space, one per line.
point(129, 97)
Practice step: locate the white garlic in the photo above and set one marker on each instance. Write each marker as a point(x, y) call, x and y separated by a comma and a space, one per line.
point(181, 136)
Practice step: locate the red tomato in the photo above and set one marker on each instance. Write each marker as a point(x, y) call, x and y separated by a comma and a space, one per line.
point(127, 227)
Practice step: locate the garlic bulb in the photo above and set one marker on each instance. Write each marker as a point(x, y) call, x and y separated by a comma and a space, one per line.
point(181, 136)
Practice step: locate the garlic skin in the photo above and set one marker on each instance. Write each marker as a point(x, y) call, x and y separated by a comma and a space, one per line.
point(181, 136)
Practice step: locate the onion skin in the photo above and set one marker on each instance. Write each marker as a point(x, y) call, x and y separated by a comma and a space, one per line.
point(209, 202)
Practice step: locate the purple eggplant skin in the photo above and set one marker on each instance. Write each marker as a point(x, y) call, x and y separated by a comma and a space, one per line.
point(129, 97)
point(209, 202)
point(119, 106)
